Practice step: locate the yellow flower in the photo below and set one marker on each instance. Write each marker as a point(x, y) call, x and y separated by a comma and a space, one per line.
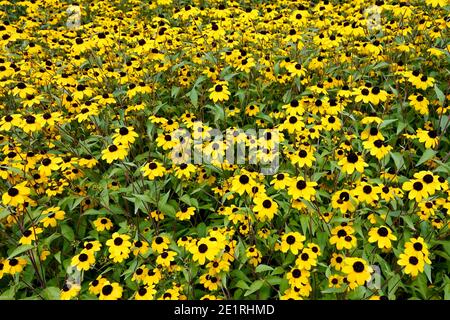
point(30, 235)
point(292, 241)
point(204, 249)
point(383, 236)
point(352, 162)
point(184, 170)
point(69, 291)
point(165, 258)
point(83, 261)
point(114, 152)
point(146, 292)
point(430, 138)
point(185, 213)
point(119, 247)
point(14, 265)
point(153, 170)
point(299, 188)
point(412, 262)
point(160, 243)
point(16, 195)
point(357, 270)
point(102, 224)
point(124, 136)
point(111, 291)
point(219, 92)
point(265, 208)
point(51, 216)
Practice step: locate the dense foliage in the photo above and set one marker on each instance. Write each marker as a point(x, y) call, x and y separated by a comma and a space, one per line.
point(95, 203)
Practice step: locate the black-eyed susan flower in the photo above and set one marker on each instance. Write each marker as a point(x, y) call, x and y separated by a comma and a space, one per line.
point(91, 246)
point(69, 291)
point(124, 136)
point(335, 281)
point(242, 183)
point(344, 200)
point(280, 181)
point(383, 236)
point(16, 195)
point(160, 243)
point(436, 3)
point(210, 282)
point(83, 261)
point(265, 208)
point(299, 188)
point(429, 138)
point(219, 92)
point(418, 245)
point(153, 170)
point(366, 192)
point(416, 190)
point(419, 80)
point(14, 265)
point(291, 241)
point(204, 250)
point(352, 162)
point(51, 216)
point(119, 247)
point(165, 258)
point(184, 170)
point(337, 261)
point(114, 152)
point(111, 291)
point(30, 235)
point(254, 256)
point(145, 292)
point(140, 247)
point(357, 270)
point(377, 148)
point(306, 259)
point(412, 263)
point(185, 213)
point(102, 224)
point(343, 238)
point(297, 276)
point(430, 181)
point(419, 103)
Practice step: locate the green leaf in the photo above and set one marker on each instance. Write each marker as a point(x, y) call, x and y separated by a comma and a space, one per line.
point(398, 160)
point(67, 232)
point(393, 284)
point(174, 92)
point(241, 284)
point(193, 96)
point(9, 294)
point(304, 221)
point(422, 285)
point(408, 221)
point(387, 122)
point(277, 270)
point(440, 95)
point(20, 249)
point(427, 270)
point(58, 256)
point(51, 293)
point(52, 237)
point(447, 289)
point(263, 267)
point(4, 213)
point(201, 229)
point(255, 286)
point(427, 155)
